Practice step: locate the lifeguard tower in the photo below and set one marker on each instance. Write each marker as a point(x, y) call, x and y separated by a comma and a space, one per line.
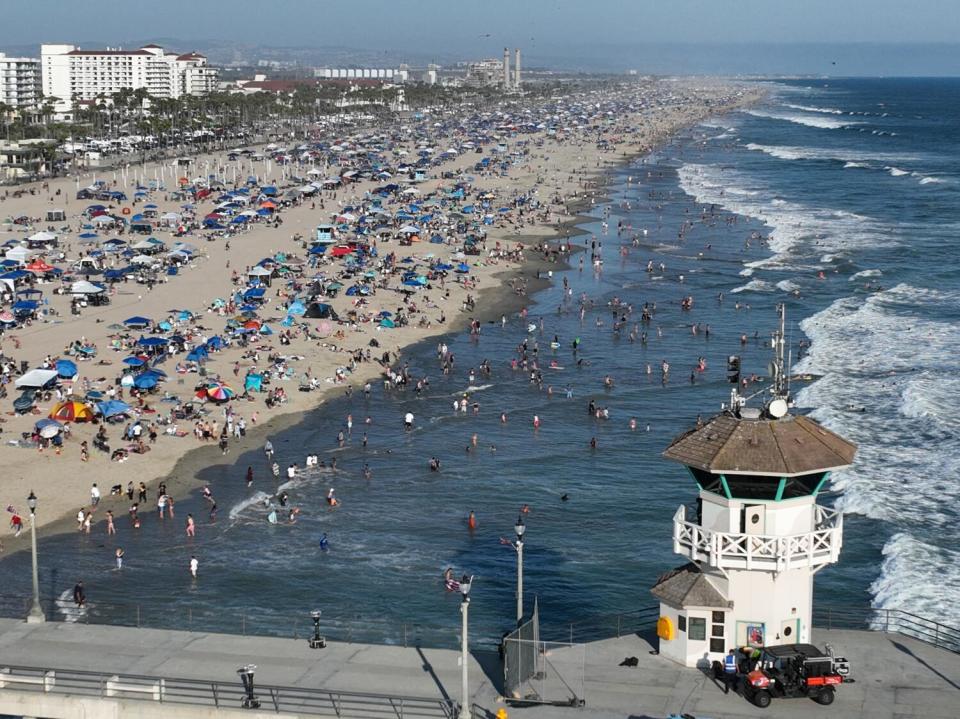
point(756, 536)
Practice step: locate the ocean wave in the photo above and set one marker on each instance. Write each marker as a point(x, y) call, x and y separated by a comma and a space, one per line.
point(850, 165)
point(808, 108)
point(787, 286)
point(896, 171)
point(866, 273)
point(795, 228)
point(753, 286)
point(889, 371)
point(905, 578)
point(929, 179)
point(823, 123)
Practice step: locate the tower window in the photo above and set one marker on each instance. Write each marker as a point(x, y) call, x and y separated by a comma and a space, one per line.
point(698, 629)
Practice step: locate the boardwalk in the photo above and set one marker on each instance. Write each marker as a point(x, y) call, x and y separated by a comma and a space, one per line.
point(895, 676)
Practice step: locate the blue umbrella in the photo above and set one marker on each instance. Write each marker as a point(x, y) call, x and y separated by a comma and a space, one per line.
point(137, 321)
point(133, 362)
point(145, 381)
point(152, 341)
point(66, 368)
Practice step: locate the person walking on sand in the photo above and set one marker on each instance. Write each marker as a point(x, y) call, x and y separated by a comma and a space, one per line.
point(191, 526)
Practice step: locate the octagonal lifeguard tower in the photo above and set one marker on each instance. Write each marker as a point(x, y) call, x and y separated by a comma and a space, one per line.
point(756, 536)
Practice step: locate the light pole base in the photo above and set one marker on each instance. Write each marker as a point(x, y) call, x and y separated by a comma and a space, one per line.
point(36, 616)
point(464, 712)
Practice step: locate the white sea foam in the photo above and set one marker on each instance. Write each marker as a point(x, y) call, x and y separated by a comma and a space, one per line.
point(896, 171)
point(890, 355)
point(70, 612)
point(929, 179)
point(257, 498)
point(808, 108)
point(787, 286)
point(753, 286)
point(905, 578)
point(859, 165)
point(796, 229)
point(866, 273)
point(824, 123)
point(850, 158)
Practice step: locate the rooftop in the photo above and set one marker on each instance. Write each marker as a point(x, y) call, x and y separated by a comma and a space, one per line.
point(790, 446)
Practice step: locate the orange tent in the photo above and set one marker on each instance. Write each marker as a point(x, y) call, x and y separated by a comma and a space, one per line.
point(71, 411)
point(38, 266)
point(268, 205)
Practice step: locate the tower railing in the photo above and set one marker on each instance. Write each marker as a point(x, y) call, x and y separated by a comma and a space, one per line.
point(737, 550)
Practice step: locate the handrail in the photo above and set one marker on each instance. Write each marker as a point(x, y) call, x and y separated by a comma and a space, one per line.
point(285, 699)
point(817, 546)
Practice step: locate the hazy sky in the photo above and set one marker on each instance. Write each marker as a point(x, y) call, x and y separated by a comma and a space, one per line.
point(546, 29)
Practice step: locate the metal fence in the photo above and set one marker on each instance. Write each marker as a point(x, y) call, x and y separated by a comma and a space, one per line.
point(223, 695)
point(376, 630)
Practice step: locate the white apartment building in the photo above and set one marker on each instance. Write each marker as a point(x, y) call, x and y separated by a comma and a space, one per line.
point(19, 81)
point(69, 72)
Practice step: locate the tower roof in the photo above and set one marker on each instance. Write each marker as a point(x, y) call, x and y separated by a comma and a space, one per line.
point(688, 586)
point(792, 445)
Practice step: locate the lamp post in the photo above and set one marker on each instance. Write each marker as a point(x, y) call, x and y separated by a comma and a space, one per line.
point(250, 700)
point(520, 528)
point(465, 584)
point(36, 615)
point(317, 641)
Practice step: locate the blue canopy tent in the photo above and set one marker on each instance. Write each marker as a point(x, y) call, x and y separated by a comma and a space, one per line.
point(253, 382)
point(137, 321)
point(112, 408)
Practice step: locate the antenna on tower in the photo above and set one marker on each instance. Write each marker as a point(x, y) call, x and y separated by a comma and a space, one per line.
point(778, 406)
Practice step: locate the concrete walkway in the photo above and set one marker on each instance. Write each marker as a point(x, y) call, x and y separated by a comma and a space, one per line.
point(895, 676)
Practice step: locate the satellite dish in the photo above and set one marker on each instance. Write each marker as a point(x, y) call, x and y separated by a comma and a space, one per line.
point(777, 408)
point(772, 370)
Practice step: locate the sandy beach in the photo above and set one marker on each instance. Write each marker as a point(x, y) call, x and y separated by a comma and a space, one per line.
point(561, 170)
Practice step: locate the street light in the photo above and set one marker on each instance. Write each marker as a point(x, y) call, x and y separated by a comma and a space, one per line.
point(520, 528)
point(250, 700)
point(465, 583)
point(36, 615)
point(316, 641)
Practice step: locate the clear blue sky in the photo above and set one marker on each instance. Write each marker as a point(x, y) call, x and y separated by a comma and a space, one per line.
point(546, 29)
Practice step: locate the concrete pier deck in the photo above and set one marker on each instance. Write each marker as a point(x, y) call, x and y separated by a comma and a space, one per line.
point(896, 676)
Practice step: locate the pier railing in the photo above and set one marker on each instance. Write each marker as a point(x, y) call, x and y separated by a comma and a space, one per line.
point(417, 634)
point(222, 695)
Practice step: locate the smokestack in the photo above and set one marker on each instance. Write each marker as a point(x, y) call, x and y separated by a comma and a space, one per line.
point(516, 68)
point(506, 68)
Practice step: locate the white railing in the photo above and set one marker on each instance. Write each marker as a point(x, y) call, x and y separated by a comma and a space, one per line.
point(727, 550)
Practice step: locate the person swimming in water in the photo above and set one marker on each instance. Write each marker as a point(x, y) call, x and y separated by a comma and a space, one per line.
point(324, 544)
point(472, 521)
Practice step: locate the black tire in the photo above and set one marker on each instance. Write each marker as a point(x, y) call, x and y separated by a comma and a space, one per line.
point(825, 697)
point(762, 698)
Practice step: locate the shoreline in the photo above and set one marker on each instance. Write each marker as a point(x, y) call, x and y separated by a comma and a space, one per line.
point(495, 297)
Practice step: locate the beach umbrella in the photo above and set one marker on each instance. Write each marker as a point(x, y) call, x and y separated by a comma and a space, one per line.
point(219, 392)
point(71, 411)
point(134, 361)
point(48, 428)
point(145, 381)
point(152, 341)
point(66, 369)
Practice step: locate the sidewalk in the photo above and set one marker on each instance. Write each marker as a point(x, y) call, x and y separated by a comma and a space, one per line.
point(895, 676)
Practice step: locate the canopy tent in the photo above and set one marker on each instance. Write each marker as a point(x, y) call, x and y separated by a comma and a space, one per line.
point(36, 379)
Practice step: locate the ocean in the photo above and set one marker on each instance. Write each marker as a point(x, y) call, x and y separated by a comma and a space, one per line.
point(839, 198)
